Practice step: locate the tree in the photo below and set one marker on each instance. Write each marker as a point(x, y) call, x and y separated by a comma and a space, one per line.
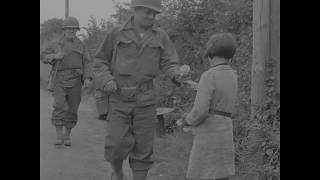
point(96, 32)
point(50, 28)
point(122, 13)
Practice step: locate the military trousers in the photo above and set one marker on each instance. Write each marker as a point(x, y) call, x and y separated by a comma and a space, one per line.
point(130, 133)
point(66, 104)
point(101, 102)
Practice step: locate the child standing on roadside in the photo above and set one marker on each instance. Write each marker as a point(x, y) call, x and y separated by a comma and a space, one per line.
point(212, 154)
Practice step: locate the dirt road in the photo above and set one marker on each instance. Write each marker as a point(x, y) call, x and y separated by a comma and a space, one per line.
point(84, 160)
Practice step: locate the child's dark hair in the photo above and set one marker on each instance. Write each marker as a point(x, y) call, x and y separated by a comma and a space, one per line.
point(221, 45)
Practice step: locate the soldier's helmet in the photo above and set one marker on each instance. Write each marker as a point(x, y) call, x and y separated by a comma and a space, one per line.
point(152, 4)
point(221, 45)
point(71, 22)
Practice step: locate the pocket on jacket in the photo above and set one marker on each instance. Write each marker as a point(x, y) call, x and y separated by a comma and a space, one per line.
point(125, 58)
point(151, 58)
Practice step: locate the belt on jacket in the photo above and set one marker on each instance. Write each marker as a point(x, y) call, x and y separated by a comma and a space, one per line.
point(145, 86)
point(131, 92)
point(73, 70)
point(222, 113)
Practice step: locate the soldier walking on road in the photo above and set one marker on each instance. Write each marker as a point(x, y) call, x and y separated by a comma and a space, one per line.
point(126, 63)
point(70, 70)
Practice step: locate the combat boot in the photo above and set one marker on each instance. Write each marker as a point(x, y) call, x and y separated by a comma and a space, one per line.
point(67, 139)
point(59, 140)
point(115, 176)
point(117, 173)
point(139, 174)
point(103, 116)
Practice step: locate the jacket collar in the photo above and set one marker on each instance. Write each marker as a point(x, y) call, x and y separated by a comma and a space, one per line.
point(221, 66)
point(129, 25)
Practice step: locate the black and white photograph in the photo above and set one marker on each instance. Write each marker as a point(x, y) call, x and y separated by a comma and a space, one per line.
point(160, 89)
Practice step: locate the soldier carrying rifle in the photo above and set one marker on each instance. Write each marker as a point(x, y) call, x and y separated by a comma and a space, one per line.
point(71, 70)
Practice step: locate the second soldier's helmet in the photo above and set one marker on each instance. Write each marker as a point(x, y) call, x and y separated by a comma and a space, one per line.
point(152, 4)
point(221, 45)
point(71, 22)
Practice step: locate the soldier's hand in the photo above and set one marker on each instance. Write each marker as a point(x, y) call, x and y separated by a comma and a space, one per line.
point(184, 115)
point(186, 129)
point(59, 55)
point(87, 83)
point(184, 125)
point(181, 74)
point(180, 122)
point(184, 69)
point(177, 79)
point(54, 58)
point(191, 84)
point(49, 59)
point(111, 86)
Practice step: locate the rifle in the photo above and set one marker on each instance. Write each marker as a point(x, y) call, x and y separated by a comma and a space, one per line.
point(53, 77)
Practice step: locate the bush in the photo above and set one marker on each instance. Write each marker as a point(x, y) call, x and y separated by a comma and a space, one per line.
point(50, 28)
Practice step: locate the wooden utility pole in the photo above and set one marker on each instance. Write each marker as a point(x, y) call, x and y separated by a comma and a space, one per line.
point(266, 48)
point(275, 43)
point(261, 45)
point(66, 8)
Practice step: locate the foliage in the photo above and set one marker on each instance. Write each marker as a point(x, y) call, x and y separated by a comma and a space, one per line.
point(261, 150)
point(122, 13)
point(190, 23)
point(50, 28)
point(96, 32)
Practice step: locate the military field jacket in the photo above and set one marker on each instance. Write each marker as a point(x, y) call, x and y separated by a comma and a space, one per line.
point(132, 60)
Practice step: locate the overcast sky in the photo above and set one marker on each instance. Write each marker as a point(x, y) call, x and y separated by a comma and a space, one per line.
point(81, 9)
